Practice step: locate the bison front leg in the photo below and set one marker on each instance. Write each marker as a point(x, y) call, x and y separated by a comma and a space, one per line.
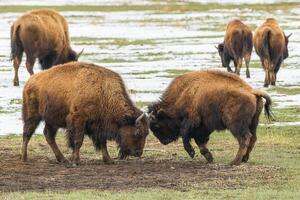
point(105, 156)
point(244, 141)
point(186, 139)
point(202, 142)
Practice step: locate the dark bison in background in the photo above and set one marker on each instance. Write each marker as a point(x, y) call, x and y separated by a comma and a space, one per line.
point(271, 45)
point(197, 103)
point(238, 44)
point(84, 99)
point(41, 34)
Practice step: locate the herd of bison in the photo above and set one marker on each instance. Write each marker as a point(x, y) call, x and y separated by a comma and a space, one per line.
point(88, 99)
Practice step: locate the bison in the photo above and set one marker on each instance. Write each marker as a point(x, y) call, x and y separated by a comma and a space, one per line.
point(84, 99)
point(197, 103)
point(237, 45)
point(42, 34)
point(271, 45)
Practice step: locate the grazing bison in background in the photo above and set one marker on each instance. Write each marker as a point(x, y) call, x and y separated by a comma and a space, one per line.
point(84, 99)
point(237, 45)
point(271, 45)
point(197, 103)
point(41, 34)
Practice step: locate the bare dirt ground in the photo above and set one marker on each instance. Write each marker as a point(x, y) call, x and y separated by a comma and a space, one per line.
point(165, 170)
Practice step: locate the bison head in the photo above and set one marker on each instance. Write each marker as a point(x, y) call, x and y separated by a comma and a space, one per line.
point(133, 135)
point(286, 51)
point(164, 127)
point(225, 58)
point(68, 56)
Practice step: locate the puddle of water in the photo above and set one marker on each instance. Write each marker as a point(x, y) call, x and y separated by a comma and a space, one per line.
point(134, 42)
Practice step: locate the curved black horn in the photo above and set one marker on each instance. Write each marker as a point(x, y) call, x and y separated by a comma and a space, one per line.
point(289, 35)
point(79, 54)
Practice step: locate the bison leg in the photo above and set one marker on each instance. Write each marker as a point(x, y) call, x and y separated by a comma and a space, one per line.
point(29, 64)
point(50, 133)
point(267, 78)
point(30, 124)
point(105, 156)
point(272, 78)
point(17, 62)
point(184, 130)
point(253, 127)
point(202, 142)
point(75, 130)
point(247, 61)
point(244, 141)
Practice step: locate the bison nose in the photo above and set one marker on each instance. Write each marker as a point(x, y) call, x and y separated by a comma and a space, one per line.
point(138, 153)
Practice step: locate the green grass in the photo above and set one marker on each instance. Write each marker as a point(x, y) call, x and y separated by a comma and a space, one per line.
point(169, 7)
point(285, 90)
point(277, 147)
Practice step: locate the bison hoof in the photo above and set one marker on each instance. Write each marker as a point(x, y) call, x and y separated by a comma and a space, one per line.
point(191, 153)
point(108, 161)
point(209, 158)
point(234, 162)
point(245, 158)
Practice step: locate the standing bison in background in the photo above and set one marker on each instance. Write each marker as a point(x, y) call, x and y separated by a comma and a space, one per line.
point(237, 45)
point(271, 45)
point(197, 103)
point(41, 34)
point(84, 99)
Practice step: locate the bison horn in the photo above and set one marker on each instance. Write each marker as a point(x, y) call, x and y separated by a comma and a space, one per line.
point(216, 47)
point(79, 54)
point(289, 35)
point(139, 118)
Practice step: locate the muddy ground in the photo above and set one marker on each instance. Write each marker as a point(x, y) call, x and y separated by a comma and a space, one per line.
point(168, 168)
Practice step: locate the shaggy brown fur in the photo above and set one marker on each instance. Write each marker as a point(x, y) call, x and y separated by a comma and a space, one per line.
point(41, 34)
point(271, 45)
point(85, 99)
point(197, 103)
point(237, 45)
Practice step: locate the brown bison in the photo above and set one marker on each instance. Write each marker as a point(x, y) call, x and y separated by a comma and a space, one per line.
point(84, 99)
point(41, 34)
point(197, 103)
point(237, 45)
point(271, 45)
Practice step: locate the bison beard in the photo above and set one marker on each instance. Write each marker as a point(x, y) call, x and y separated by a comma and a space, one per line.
point(192, 108)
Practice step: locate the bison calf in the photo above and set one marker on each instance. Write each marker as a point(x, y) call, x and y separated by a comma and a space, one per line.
point(271, 45)
point(197, 103)
point(42, 34)
point(84, 99)
point(237, 45)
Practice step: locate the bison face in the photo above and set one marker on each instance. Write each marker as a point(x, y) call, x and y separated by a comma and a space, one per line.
point(133, 136)
point(163, 127)
point(221, 53)
point(286, 51)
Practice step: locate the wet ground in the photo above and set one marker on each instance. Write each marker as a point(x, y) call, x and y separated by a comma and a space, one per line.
point(153, 41)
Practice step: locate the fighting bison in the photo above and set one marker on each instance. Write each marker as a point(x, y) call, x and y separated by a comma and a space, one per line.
point(271, 45)
point(197, 103)
point(41, 34)
point(84, 99)
point(237, 45)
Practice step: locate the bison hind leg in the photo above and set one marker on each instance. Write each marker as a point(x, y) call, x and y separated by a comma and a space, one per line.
point(50, 133)
point(243, 135)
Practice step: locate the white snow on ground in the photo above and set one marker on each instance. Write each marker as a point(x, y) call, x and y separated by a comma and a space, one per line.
point(172, 41)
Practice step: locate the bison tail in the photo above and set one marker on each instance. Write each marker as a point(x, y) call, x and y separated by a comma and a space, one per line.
point(265, 44)
point(247, 42)
point(15, 42)
point(268, 112)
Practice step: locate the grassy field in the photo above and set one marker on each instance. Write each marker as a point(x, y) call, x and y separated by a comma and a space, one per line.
point(273, 171)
